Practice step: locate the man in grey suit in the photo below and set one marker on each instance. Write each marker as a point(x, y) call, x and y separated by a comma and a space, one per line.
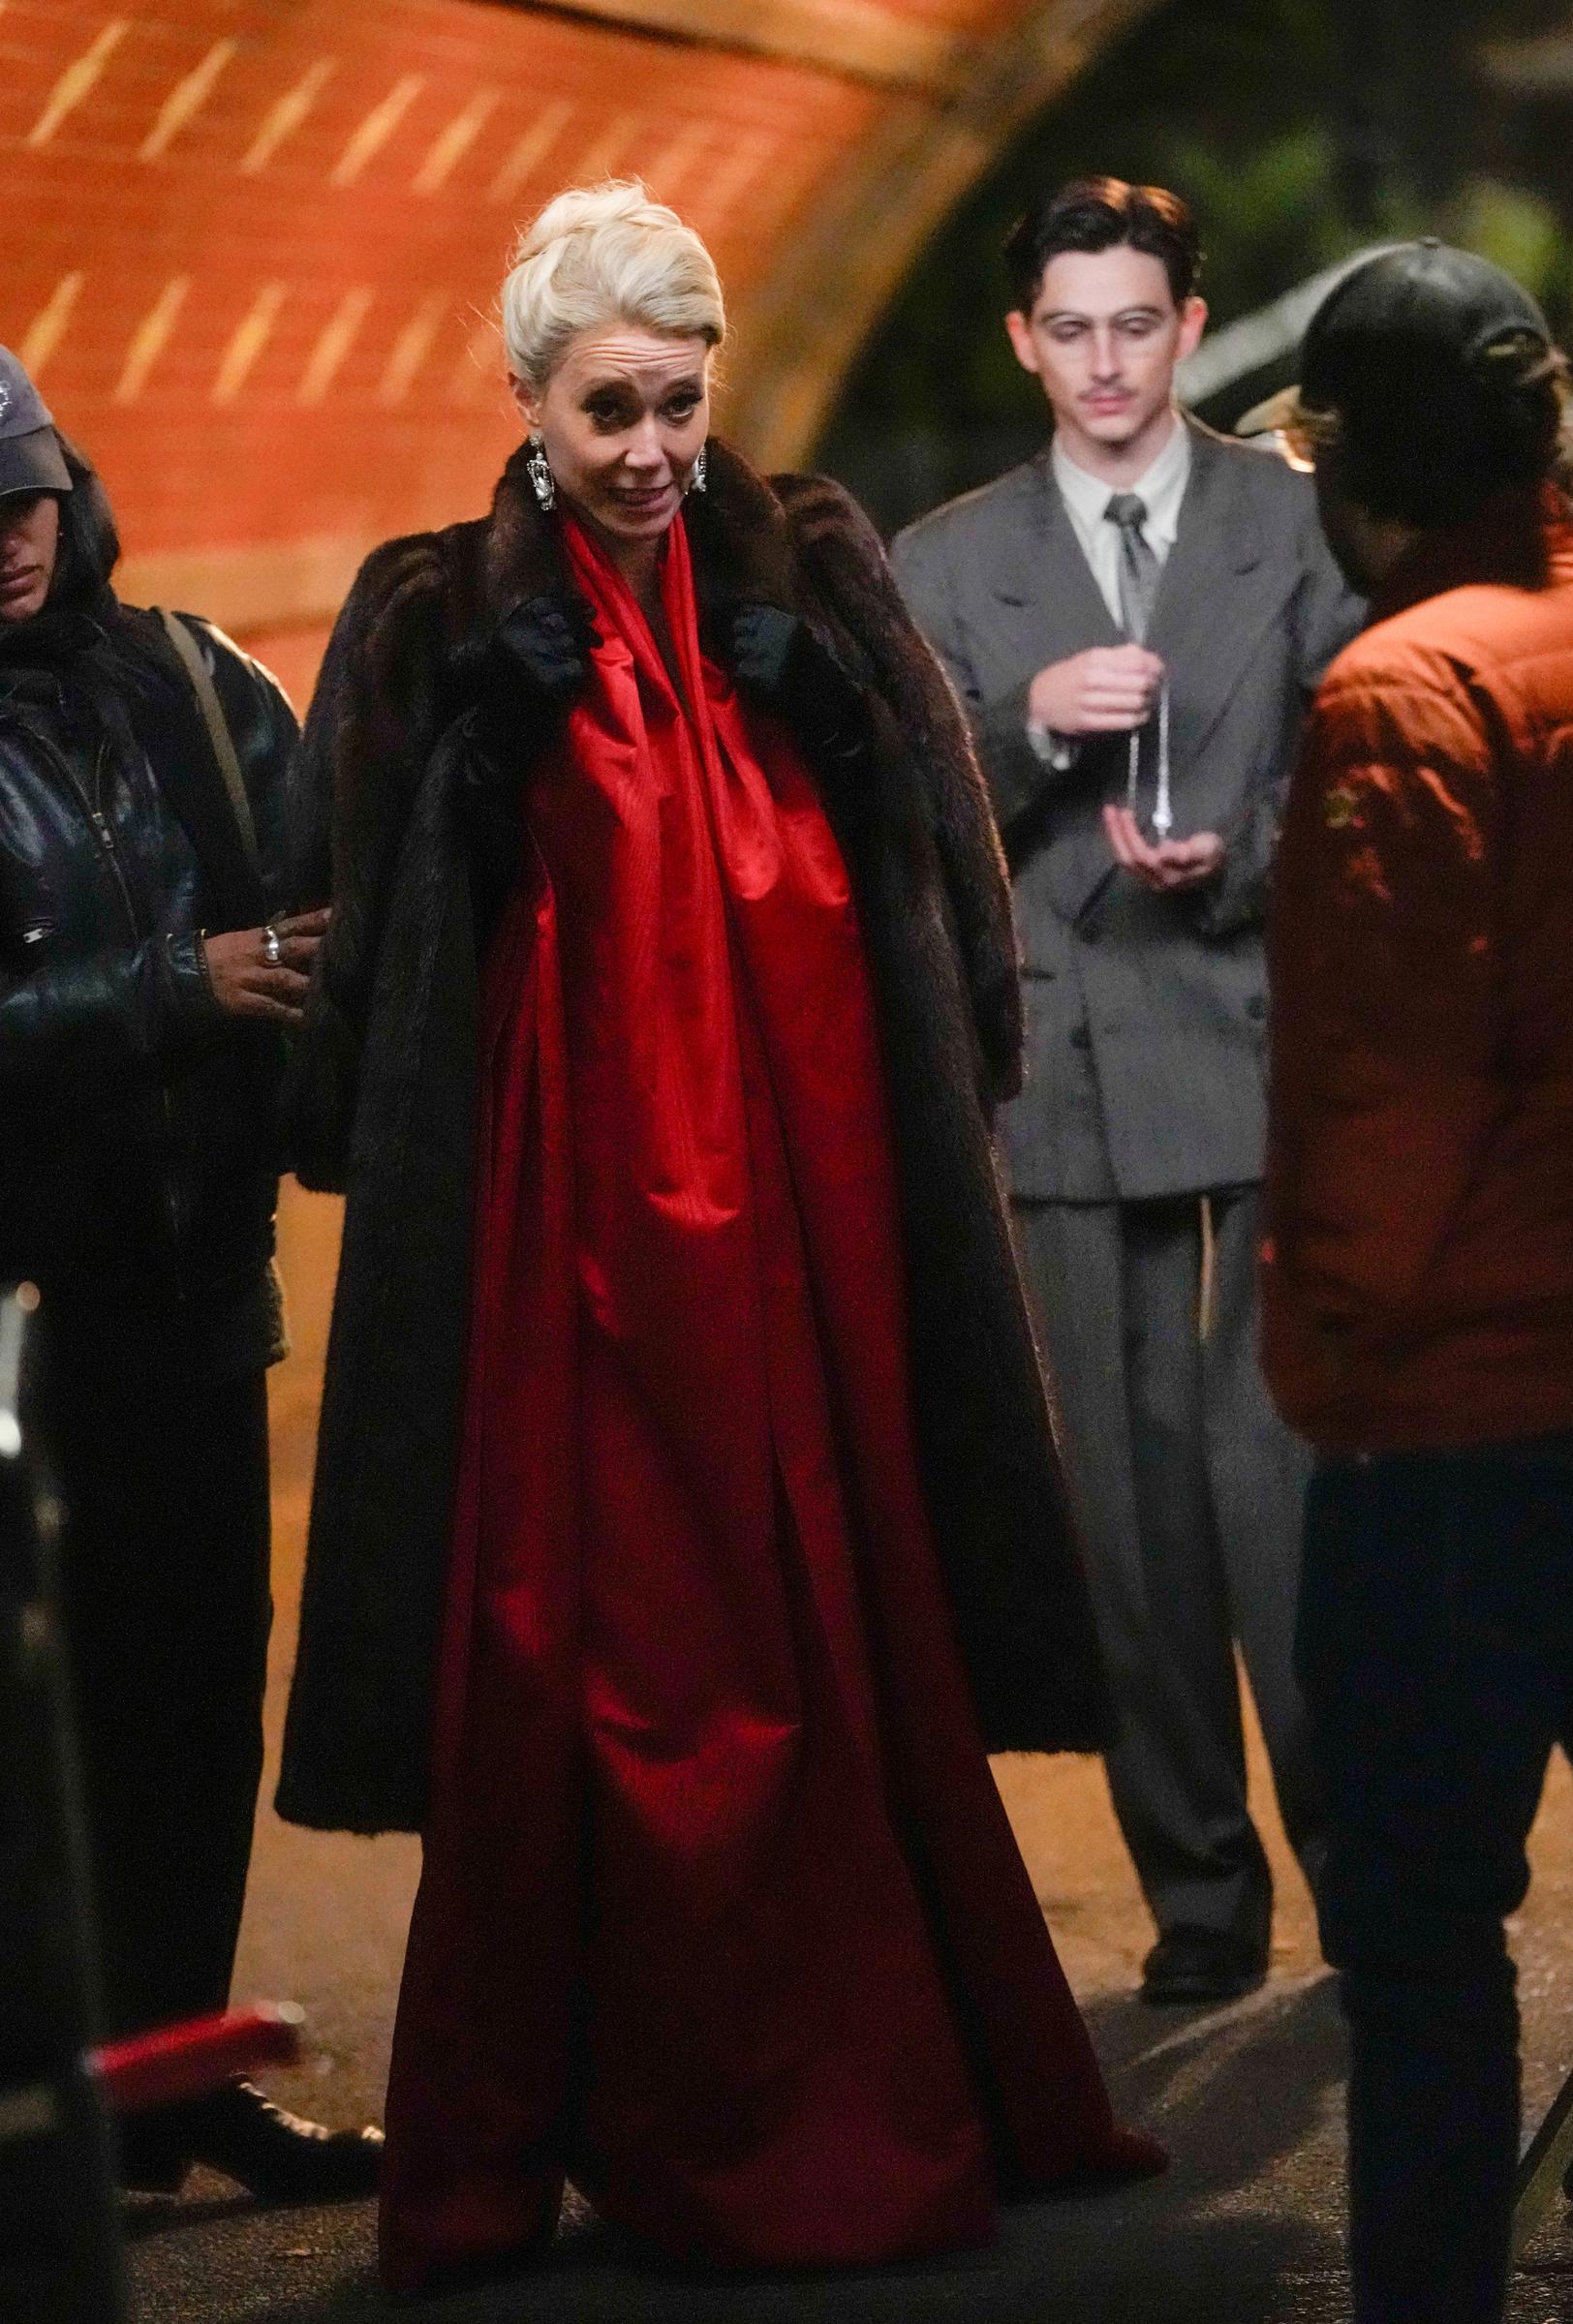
point(1135, 621)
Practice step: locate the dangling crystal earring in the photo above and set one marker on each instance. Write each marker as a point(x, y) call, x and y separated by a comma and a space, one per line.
point(696, 474)
point(537, 468)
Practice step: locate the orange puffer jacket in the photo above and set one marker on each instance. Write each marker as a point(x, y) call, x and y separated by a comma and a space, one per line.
point(1418, 1271)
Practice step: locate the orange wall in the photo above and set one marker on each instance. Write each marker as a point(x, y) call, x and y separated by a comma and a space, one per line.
point(250, 245)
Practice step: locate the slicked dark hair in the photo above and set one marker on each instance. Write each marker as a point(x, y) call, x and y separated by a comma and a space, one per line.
point(1104, 213)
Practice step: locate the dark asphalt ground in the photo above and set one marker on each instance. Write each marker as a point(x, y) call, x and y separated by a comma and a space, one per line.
point(1245, 2227)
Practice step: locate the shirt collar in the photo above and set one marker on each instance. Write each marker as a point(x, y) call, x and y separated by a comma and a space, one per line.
point(1161, 486)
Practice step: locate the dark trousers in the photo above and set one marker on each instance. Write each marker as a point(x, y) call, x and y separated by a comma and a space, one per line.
point(1190, 1492)
point(165, 1582)
point(1436, 1654)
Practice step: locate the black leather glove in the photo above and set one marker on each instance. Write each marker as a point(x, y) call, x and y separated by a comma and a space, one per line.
point(520, 681)
point(533, 667)
point(774, 657)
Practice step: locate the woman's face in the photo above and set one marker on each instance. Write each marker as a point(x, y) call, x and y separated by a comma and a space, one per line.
point(623, 418)
point(29, 550)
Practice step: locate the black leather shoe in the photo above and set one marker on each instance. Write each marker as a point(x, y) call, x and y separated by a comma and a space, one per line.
point(1201, 1965)
point(278, 2156)
point(150, 2158)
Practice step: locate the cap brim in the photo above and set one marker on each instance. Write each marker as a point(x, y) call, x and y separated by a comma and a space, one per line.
point(1272, 413)
point(33, 463)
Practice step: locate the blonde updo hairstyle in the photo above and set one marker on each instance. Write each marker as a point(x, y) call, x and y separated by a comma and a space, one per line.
point(598, 254)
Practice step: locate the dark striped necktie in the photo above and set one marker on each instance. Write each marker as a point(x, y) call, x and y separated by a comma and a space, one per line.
point(1138, 563)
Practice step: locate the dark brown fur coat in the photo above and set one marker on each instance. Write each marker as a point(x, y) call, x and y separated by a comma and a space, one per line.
point(383, 1105)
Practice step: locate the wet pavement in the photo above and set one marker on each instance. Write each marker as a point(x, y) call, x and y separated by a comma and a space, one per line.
point(1245, 2227)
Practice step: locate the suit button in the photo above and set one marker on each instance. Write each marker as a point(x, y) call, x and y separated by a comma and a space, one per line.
point(1256, 1007)
point(1091, 933)
point(1080, 1037)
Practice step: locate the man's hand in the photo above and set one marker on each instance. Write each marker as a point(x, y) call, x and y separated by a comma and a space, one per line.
point(1106, 690)
point(1162, 865)
point(246, 982)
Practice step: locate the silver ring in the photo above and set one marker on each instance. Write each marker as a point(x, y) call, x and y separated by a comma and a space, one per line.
point(273, 953)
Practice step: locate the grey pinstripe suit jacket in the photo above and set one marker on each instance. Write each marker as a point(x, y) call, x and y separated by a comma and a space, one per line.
point(1145, 1013)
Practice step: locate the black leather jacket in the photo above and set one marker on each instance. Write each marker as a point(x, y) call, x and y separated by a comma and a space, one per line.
point(137, 1141)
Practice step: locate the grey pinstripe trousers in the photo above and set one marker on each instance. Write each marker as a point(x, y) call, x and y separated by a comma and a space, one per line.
point(1190, 1491)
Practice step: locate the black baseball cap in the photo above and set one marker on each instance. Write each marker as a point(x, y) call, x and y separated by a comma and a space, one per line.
point(1408, 323)
point(30, 456)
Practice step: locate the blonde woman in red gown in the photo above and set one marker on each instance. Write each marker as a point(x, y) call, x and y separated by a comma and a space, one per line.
point(675, 1589)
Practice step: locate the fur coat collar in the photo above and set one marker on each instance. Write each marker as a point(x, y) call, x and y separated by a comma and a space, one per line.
point(738, 526)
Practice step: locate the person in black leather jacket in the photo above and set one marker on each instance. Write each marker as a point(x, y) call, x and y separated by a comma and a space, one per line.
point(145, 980)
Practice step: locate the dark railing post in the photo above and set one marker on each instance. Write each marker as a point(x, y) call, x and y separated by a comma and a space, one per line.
point(60, 2244)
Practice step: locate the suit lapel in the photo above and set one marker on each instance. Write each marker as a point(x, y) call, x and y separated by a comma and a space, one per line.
point(1050, 607)
point(1214, 597)
point(1042, 583)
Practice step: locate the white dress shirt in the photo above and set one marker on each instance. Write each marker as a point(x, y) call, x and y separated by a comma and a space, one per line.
point(1161, 486)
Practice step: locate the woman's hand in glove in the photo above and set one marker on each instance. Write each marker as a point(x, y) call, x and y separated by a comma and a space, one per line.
point(533, 667)
point(774, 657)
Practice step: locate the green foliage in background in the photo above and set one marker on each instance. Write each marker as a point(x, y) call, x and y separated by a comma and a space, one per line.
point(1300, 129)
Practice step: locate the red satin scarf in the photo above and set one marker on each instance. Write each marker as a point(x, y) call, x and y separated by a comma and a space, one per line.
point(699, 1694)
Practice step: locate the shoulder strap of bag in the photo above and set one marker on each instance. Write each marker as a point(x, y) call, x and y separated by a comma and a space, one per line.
point(218, 730)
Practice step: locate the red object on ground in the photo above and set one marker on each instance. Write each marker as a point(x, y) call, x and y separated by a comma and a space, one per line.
point(189, 2059)
point(721, 1911)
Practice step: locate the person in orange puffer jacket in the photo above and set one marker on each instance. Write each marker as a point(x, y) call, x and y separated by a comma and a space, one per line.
point(1418, 1271)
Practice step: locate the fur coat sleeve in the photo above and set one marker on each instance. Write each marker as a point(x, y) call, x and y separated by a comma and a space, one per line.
point(373, 725)
point(842, 557)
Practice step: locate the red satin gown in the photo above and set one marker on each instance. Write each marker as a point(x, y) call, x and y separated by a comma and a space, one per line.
point(720, 1913)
